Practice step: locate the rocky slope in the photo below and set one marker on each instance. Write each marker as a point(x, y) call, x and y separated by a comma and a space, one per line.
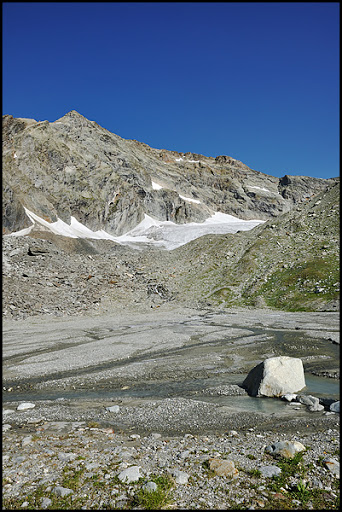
point(73, 167)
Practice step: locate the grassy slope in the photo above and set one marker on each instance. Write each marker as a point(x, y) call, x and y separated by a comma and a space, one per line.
point(291, 263)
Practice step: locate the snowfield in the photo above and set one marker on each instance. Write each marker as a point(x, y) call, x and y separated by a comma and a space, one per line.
point(165, 234)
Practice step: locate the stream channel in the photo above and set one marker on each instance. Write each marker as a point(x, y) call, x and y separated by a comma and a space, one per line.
point(199, 368)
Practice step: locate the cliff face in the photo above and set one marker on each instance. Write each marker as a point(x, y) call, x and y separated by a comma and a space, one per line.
point(73, 167)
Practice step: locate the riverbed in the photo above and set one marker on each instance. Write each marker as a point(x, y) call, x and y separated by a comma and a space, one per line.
point(77, 367)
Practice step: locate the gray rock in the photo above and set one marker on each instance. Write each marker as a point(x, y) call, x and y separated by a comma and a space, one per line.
point(62, 491)
point(150, 487)
point(25, 405)
point(113, 408)
point(27, 440)
point(317, 407)
point(131, 474)
point(289, 397)
point(180, 477)
point(335, 407)
point(66, 457)
point(333, 465)
point(275, 377)
point(308, 400)
point(46, 502)
point(286, 449)
point(269, 471)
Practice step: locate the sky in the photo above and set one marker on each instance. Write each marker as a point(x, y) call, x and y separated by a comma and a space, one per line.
point(256, 81)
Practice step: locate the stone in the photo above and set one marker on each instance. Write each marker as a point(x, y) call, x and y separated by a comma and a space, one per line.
point(66, 457)
point(25, 405)
point(307, 399)
point(113, 408)
point(131, 474)
point(7, 411)
point(180, 477)
point(276, 376)
point(289, 397)
point(62, 491)
point(269, 471)
point(46, 502)
point(286, 449)
point(27, 440)
point(335, 407)
point(150, 487)
point(333, 465)
point(316, 407)
point(223, 467)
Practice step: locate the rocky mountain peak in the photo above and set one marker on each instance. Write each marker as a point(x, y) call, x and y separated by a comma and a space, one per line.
point(73, 167)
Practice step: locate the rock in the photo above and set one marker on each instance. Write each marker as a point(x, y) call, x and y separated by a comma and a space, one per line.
point(25, 405)
point(46, 502)
point(333, 465)
point(66, 457)
point(7, 411)
point(286, 449)
point(62, 491)
point(223, 467)
point(27, 440)
point(316, 407)
point(113, 408)
point(129, 475)
point(150, 487)
point(6, 426)
point(307, 399)
point(180, 477)
point(289, 397)
point(275, 376)
point(335, 407)
point(269, 471)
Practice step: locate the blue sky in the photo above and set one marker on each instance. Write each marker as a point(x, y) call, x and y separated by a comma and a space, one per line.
point(256, 81)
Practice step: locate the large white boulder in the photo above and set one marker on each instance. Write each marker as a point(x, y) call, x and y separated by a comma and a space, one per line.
point(275, 376)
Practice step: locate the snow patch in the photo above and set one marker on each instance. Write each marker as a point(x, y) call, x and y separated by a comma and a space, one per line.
point(189, 199)
point(264, 189)
point(150, 231)
point(155, 186)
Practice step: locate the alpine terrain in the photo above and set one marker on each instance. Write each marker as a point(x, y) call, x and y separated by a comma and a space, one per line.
point(94, 222)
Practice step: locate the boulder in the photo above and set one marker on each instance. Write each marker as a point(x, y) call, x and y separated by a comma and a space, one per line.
point(275, 377)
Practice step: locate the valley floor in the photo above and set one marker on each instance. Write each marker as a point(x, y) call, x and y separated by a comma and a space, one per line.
point(160, 390)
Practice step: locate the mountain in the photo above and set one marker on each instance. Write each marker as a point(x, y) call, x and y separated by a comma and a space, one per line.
point(74, 168)
point(211, 232)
